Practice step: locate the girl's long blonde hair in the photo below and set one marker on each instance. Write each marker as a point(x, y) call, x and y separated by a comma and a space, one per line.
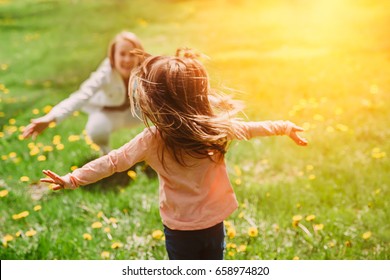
point(172, 92)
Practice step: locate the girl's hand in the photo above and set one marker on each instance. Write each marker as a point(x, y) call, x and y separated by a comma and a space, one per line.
point(36, 127)
point(60, 182)
point(294, 136)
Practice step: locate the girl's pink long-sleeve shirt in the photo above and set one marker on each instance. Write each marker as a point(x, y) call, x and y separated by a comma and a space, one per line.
point(194, 197)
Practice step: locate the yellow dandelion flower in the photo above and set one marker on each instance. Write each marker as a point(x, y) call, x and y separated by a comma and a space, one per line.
point(73, 168)
point(142, 22)
point(30, 233)
point(331, 244)
point(309, 167)
point(238, 181)
point(76, 113)
point(12, 121)
point(366, 235)
point(41, 158)
point(4, 66)
point(34, 151)
point(21, 215)
point(253, 232)
point(95, 147)
point(116, 245)
point(4, 157)
point(318, 227)
point(73, 138)
point(231, 232)
point(231, 246)
point(310, 218)
point(157, 234)
point(241, 215)
point(132, 174)
point(295, 258)
point(231, 254)
point(52, 124)
point(24, 179)
point(241, 248)
point(8, 237)
point(35, 111)
point(1, 134)
point(227, 224)
point(296, 219)
point(87, 236)
point(99, 214)
point(97, 225)
point(3, 193)
point(107, 230)
point(312, 177)
point(348, 243)
point(18, 233)
point(105, 255)
point(37, 207)
point(377, 153)
point(60, 147)
point(237, 170)
point(88, 140)
point(47, 109)
point(12, 155)
point(56, 139)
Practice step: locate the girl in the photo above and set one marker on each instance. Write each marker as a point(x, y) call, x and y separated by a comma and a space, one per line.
point(185, 142)
point(103, 96)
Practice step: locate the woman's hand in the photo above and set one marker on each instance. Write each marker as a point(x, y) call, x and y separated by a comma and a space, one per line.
point(60, 182)
point(36, 127)
point(295, 137)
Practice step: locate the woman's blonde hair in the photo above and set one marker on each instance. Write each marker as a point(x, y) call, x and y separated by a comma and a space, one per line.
point(172, 92)
point(126, 36)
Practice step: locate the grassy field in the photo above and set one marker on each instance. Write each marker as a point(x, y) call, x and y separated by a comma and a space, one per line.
point(323, 64)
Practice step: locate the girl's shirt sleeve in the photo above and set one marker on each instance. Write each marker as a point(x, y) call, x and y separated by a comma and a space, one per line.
point(248, 130)
point(116, 161)
point(87, 89)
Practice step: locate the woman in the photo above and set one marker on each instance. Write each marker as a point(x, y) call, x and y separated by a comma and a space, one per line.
point(103, 96)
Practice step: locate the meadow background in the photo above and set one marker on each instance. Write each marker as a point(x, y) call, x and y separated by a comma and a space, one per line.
point(323, 64)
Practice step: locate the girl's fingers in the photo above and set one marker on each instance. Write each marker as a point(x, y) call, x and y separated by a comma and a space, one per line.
point(297, 128)
point(56, 178)
point(298, 140)
point(57, 187)
point(45, 180)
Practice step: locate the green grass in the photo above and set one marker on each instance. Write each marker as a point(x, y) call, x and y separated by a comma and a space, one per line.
point(323, 65)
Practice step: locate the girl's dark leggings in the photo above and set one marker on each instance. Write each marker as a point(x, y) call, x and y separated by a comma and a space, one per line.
point(204, 244)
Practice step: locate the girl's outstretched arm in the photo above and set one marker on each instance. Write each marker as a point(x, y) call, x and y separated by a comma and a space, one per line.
point(116, 161)
point(248, 130)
